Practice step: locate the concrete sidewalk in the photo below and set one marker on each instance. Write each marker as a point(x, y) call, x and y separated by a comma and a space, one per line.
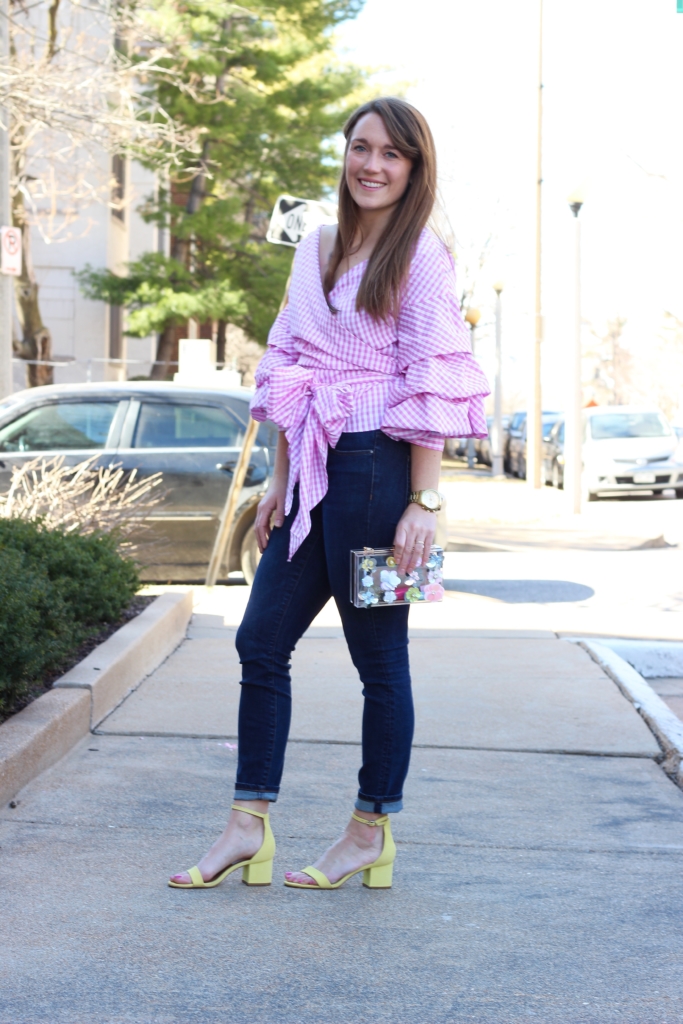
point(538, 875)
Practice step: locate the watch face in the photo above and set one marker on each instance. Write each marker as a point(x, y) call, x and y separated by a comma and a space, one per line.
point(430, 498)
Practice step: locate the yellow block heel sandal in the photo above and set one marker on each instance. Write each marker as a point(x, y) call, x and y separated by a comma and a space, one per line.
point(377, 875)
point(258, 870)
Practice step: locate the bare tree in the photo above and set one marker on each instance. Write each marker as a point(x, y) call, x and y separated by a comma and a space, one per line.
point(660, 373)
point(75, 89)
point(608, 365)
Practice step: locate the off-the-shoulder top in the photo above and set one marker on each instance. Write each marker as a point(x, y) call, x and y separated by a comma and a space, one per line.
point(324, 373)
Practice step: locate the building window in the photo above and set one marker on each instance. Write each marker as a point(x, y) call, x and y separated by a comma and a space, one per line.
point(115, 332)
point(118, 187)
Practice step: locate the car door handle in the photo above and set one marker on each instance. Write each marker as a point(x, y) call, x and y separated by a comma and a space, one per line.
point(254, 475)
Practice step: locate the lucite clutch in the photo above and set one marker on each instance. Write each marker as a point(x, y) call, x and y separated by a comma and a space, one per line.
point(376, 583)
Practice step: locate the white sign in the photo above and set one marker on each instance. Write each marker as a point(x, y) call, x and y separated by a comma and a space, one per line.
point(10, 243)
point(293, 219)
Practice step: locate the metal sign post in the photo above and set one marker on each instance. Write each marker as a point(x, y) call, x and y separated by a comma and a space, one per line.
point(291, 221)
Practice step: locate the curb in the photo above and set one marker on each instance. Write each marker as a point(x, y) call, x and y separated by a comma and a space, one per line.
point(661, 720)
point(37, 737)
point(658, 659)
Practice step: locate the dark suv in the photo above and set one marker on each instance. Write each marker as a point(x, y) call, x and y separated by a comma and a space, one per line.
point(193, 436)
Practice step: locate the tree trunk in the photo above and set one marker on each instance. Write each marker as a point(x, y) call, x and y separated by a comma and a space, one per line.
point(221, 332)
point(181, 252)
point(162, 363)
point(36, 342)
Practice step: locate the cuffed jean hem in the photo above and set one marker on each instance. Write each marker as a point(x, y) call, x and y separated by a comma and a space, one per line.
point(254, 794)
point(379, 806)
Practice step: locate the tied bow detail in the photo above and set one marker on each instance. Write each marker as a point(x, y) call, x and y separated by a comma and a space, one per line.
point(312, 415)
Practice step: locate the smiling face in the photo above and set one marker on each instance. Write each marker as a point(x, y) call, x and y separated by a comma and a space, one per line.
point(377, 174)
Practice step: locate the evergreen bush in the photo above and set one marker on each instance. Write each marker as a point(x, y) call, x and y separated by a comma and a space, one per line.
point(56, 589)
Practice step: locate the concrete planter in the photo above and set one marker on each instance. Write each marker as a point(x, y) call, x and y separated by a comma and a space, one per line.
point(43, 732)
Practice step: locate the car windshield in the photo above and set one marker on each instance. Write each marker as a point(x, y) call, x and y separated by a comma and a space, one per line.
point(628, 424)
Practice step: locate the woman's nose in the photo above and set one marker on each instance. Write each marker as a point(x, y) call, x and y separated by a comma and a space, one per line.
point(372, 163)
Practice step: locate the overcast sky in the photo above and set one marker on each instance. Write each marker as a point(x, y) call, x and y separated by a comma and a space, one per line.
point(613, 109)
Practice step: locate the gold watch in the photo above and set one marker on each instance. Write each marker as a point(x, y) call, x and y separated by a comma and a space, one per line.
point(428, 499)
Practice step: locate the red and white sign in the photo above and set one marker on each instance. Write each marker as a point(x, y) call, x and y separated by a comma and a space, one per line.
point(10, 243)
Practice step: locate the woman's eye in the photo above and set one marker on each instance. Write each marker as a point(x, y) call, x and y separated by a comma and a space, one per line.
point(358, 148)
point(393, 155)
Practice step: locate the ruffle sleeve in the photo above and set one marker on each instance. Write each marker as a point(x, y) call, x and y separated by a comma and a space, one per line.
point(280, 352)
point(441, 388)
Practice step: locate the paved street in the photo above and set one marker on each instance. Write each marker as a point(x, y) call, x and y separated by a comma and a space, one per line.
point(540, 852)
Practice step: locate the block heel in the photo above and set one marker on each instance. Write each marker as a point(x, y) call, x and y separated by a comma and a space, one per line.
point(258, 874)
point(377, 875)
point(258, 870)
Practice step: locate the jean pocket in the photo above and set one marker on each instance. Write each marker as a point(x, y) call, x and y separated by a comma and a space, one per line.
point(354, 451)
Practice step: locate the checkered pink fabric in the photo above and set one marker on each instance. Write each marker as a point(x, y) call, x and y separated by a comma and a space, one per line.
point(324, 373)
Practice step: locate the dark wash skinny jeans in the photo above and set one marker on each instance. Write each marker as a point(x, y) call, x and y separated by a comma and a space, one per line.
point(369, 486)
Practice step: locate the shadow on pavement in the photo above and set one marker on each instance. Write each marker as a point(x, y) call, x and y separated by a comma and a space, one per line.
point(523, 591)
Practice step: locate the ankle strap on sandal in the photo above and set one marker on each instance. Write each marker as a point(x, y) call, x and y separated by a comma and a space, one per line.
point(257, 814)
point(365, 821)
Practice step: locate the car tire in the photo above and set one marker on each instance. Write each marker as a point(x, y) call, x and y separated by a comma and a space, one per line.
point(679, 492)
point(521, 471)
point(250, 556)
point(556, 481)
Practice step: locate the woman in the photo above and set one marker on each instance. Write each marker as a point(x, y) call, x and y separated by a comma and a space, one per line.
point(368, 370)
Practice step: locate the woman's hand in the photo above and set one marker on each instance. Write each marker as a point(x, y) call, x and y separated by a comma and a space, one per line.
point(414, 537)
point(270, 507)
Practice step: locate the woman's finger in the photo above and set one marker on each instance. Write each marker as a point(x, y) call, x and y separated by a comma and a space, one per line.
point(416, 553)
point(279, 516)
point(399, 546)
point(262, 522)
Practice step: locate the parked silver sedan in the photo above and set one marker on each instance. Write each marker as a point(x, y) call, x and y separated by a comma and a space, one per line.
point(630, 449)
point(193, 436)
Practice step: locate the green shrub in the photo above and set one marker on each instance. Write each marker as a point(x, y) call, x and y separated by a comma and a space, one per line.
point(56, 589)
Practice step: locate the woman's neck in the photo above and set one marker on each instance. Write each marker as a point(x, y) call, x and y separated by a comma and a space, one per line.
point(370, 228)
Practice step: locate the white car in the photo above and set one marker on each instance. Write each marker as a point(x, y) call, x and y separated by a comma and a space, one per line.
point(629, 449)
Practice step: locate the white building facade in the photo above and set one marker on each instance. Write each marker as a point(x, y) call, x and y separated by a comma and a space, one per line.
point(88, 340)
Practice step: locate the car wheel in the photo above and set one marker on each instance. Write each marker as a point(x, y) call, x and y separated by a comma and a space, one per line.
point(250, 556)
point(679, 492)
point(557, 482)
point(521, 472)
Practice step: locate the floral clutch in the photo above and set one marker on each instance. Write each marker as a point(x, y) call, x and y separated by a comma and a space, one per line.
point(375, 581)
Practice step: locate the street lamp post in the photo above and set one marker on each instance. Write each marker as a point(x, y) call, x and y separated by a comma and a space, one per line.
point(573, 417)
point(534, 407)
point(472, 317)
point(497, 435)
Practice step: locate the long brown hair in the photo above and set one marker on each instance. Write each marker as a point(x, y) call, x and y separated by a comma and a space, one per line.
point(387, 269)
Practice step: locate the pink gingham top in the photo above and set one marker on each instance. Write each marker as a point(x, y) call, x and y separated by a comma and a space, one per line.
point(325, 373)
